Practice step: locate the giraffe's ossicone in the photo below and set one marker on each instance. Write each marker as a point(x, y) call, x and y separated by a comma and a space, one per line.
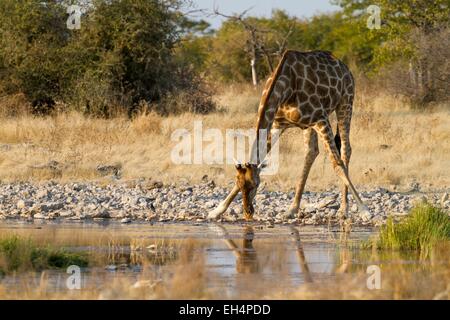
point(303, 91)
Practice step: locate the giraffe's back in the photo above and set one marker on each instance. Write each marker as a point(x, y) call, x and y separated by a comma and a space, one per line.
point(311, 85)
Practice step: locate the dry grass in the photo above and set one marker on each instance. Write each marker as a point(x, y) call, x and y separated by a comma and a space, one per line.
point(392, 145)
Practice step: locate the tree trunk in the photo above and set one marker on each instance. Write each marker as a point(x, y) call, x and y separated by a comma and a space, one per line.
point(412, 75)
point(254, 76)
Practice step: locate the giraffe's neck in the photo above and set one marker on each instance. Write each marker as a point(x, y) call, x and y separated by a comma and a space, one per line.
point(266, 115)
point(262, 144)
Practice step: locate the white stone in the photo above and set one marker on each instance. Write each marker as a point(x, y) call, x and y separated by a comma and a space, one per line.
point(20, 204)
point(125, 220)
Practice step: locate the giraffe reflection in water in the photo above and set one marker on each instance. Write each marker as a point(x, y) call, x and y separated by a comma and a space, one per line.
point(247, 257)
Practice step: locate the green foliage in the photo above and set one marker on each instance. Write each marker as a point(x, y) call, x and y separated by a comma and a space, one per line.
point(130, 43)
point(225, 55)
point(132, 51)
point(122, 55)
point(405, 53)
point(421, 230)
point(228, 60)
point(399, 18)
point(413, 33)
point(17, 254)
point(31, 38)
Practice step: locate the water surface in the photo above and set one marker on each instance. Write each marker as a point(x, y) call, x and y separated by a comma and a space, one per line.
point(238, 259)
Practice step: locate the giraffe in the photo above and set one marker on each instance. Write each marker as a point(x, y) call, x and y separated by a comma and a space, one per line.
point(302, 92)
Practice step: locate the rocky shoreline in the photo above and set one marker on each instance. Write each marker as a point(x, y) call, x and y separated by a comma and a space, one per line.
point(155, 202)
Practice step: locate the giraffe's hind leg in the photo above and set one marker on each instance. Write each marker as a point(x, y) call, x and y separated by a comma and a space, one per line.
point(324, 130)
point(312, 151)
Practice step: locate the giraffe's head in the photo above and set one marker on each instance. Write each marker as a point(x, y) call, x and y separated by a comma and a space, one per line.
point(247, 179)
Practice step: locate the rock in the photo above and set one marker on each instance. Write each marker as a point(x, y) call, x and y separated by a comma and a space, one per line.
point(326, 202)
point(39, 216)
point(111, 267)
point(135, 201)
point(105, 170)
point(419, 200)
point(444, 199)
point(415, 187)
point(166, 206)
point(91, 206)
point(104, 214)
point(20, 204)
point(377, 221)
point(42, 194)
point(47, 207)
point(66, 214)
point(210, 204)
point(156, 185)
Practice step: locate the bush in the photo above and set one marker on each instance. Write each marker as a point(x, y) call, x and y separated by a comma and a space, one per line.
point(32, 35)
point(195, 97)
point(421, 230)
point(424, 79)
point(122, 55)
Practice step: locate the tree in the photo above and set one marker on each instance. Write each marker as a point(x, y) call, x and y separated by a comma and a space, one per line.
point(32, 35)
point(256, 42)
point(131, 43)
point(227, 52)
point(409, 28)
point(123, 53)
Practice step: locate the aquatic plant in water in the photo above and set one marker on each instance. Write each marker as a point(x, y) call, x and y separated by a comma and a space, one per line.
point(425, 227)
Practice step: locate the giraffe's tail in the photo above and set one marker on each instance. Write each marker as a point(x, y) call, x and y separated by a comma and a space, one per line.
point(337, 140)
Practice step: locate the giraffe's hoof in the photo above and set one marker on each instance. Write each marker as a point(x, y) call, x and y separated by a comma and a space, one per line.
point(291, 213)
point(365, 213)
point(345, 224)
point(342, 214)
point(216, 213)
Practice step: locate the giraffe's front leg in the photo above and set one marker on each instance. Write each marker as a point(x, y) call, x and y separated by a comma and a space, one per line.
point(223, 206)
point(312, 151)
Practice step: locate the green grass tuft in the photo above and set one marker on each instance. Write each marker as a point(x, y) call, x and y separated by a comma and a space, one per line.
point(18, 254)
point(421, 230)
